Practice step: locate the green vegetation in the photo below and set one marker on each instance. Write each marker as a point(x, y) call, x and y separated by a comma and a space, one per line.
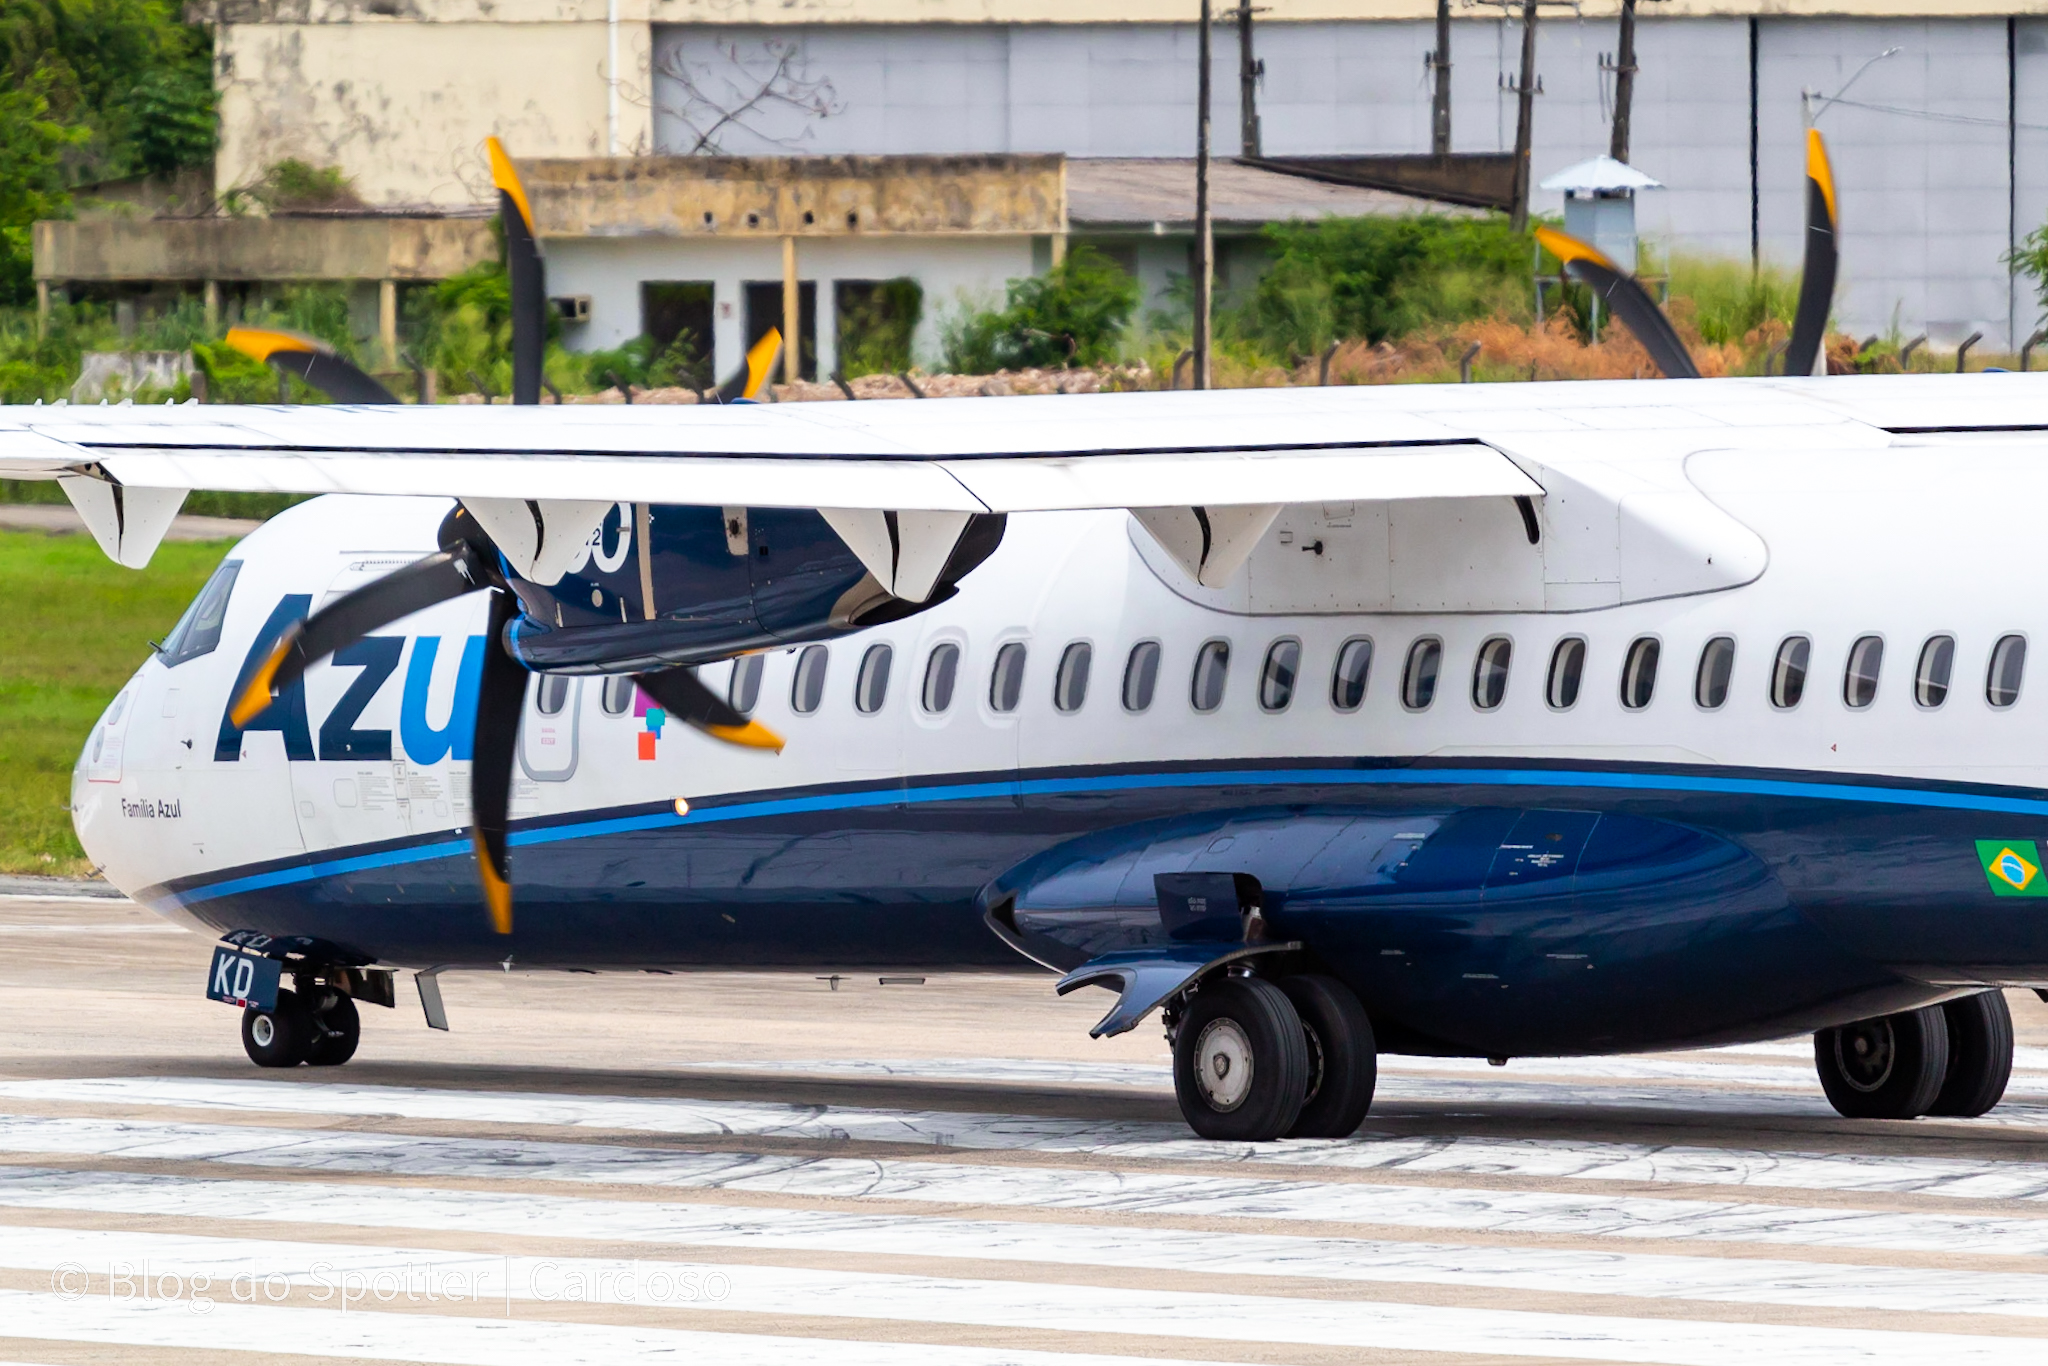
point(294, 184)
point(1729, 300)
point(78, 627)
point(876, 323)
point(1074, 314)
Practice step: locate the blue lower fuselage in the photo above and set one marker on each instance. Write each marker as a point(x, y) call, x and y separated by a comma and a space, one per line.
point(1477, 908)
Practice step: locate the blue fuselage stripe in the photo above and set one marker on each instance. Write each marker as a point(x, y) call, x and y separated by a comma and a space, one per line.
point(1137, 782)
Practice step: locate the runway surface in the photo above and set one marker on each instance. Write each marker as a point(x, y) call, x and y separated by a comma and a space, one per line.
point(744, 1168)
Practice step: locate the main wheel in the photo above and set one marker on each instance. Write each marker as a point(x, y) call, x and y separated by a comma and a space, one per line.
point(1979, 1055)
point(1240, 1061)
point(1343, 1060)
point(336, 1032)
point(1890, 1067)
point(280, 1037)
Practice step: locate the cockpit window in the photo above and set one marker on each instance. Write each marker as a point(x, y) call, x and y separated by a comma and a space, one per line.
point(198, 631)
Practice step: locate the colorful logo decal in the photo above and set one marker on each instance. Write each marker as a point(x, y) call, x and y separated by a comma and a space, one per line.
point(644, 706)
point(2013, 867)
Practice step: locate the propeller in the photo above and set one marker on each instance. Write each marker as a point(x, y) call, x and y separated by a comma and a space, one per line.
point(747, 381)
point(683, 696)
point(313, 361)
point(1817, 281)
point(1625, 298)
point(523, 264)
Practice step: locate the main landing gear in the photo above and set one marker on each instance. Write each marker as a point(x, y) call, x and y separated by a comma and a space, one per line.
point(1256, 1059)
point(1951, 1060)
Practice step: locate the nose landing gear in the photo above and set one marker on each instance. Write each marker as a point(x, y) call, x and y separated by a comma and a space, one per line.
point(320, 1028)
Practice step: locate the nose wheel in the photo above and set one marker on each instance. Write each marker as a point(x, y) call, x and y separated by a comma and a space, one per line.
point(322, 1033)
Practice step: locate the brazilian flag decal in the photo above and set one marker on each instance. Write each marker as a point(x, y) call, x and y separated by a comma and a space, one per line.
point(2013, 867)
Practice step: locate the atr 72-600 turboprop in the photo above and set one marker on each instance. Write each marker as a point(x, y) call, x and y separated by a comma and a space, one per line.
point(1485, 721)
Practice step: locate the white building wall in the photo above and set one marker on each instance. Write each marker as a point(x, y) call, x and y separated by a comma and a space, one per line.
point(1924, 182)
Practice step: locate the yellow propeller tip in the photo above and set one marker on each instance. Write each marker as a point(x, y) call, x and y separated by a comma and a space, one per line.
point(752, 735)
point(505, 177)
point(261, 343)
point(497, 894)
point(1567, 248)
point(257, 696)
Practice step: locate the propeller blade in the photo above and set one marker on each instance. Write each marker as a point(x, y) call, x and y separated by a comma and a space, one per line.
point(523, 263)
point(685, 698)
point(500, 698)
point(313, 361)
point(745, 384)
point(420, 585)
point(1817, 281)
point(1626, 299)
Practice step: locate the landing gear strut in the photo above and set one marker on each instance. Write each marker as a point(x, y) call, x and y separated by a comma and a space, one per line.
point(1254, 1060)
point(1952, 1060)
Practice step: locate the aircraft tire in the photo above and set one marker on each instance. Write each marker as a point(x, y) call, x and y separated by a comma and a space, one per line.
point(1343, 1060)
point(1979, 1055)
point(277, 1038)
point(1889, 1067)
point(1240, 1061)
point(336, 1044)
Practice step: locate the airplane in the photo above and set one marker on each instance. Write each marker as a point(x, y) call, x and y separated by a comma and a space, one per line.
point(1493, 721)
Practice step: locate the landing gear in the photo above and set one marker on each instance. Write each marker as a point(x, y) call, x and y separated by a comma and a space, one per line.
point(279, 1037)
point(1890, 1067)
point(1979, 1055)
point(1343, 1061)
point(1240, 1061)
point(337, 1029)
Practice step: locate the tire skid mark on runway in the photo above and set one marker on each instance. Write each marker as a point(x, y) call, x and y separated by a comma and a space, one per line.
point(1127, 1140)
point(994, 1304)
point(542, 1218)
point(1594, 1213)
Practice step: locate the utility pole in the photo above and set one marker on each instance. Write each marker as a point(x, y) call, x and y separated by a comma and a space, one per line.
point(1250, 70)
point(1205, 261)
point(1526, 89)
point(1624, 69)
point(1440, 63)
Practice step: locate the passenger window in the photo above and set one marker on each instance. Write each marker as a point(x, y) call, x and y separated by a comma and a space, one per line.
point(1931, 674)
point(1212, 671)
point(554, 694)
point(2008, 662)
point(1141, 675)
point(1006, 683)
point(1717, 666)
point(1639, 673)
point(1070, 684)
point(1567, 667)
point(941, 668)
point(1490, 673)
point(1418, 675)
point(871, 685)
point(1276, 677)
point(807, 690)
point(198, 631)
point(1859, 680)
point(617, 697)
point(1347, 680)
point(1788, 672)
point(744, 689)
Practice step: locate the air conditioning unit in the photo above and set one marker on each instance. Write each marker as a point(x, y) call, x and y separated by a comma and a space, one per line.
point(573, 308)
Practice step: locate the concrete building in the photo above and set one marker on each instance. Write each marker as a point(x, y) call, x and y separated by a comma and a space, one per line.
point(1939, 148)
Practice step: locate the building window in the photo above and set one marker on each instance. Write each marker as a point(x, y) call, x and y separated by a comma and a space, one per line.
point(1212, 670)
point(1141, 675)
point(1490, 672)
point(1277, 675)
point(807, 689)
point(1006, 682)
point(1931, 674)
point(871, 685)
point(1859, 680)
point(1418, 675)
point(1639, 673)
point(617, 697)
point(1788, 672)
point(554, 694)
point(1717, 666)
point(743, 690)
point(2008, 662)
point(1567, 667)
point(1347, 680)
point(941, 668)
point(1070, 683)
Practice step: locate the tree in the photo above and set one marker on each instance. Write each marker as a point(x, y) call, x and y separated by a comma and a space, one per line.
point(32, 146)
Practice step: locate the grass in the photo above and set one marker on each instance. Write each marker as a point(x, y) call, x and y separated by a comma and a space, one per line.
point(79, 626)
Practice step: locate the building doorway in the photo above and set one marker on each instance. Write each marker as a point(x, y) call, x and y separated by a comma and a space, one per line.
point(764, 310)
point(676, 316)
